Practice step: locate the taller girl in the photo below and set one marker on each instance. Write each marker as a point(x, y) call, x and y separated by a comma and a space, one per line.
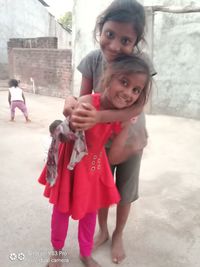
point(120, 28)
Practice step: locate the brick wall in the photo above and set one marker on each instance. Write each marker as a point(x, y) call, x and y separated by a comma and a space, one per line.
point(40, 42)
point(43, 71)
point(39, 66)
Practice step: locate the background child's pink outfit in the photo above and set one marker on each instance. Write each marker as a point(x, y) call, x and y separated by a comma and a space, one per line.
point(20, 105)
point(80, 192)
point(17, 101)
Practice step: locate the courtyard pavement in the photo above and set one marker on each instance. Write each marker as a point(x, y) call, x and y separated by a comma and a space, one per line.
point(164, 225)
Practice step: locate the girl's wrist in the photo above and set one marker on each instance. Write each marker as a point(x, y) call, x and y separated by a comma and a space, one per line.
point(98, 117)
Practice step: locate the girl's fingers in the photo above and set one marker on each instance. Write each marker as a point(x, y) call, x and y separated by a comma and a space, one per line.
point(81, 126)
point(85, 112)
point(85, 109)
point(80, 119)
point(81, 113)
point(82, 123)
point(84, 117)
point(88, 106)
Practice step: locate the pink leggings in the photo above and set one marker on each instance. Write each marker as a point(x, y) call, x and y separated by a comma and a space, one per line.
point(86, 228)
point(20, 105)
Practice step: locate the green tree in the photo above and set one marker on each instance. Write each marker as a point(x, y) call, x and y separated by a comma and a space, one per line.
point(66, 20)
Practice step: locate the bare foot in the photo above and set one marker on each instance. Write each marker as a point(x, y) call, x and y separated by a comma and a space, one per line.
point(57, 259)
point(89, 262)
point(12, 120)
point(117, 248)
point(100, 239)
point(28, 120)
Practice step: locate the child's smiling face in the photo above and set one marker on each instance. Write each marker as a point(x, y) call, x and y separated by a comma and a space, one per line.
point(124, 90)
point(117, 38)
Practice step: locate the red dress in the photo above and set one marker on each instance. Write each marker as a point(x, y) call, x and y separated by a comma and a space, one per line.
point(90, 185)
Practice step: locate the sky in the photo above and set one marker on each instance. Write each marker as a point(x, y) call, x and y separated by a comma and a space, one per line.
point(59, 7)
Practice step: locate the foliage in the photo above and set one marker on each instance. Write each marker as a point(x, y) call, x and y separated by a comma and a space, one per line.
point(66, 20)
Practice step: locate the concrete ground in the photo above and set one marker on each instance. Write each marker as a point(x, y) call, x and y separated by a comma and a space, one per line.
point(164, 225)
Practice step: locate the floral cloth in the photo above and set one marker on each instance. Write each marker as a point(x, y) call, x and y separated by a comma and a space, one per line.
point(79, 149)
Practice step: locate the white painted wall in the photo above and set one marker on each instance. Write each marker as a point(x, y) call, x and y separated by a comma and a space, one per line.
point(84, 15)
point(176, 56)
point(27, 19)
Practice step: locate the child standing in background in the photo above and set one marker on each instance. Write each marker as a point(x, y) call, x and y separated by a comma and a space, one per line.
point(119, 29)
point(16, 99)
point(89, 186)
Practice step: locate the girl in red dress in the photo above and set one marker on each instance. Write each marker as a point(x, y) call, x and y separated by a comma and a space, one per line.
point(89, 186)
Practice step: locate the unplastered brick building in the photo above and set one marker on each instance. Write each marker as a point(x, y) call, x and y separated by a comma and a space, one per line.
point(34, 47)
